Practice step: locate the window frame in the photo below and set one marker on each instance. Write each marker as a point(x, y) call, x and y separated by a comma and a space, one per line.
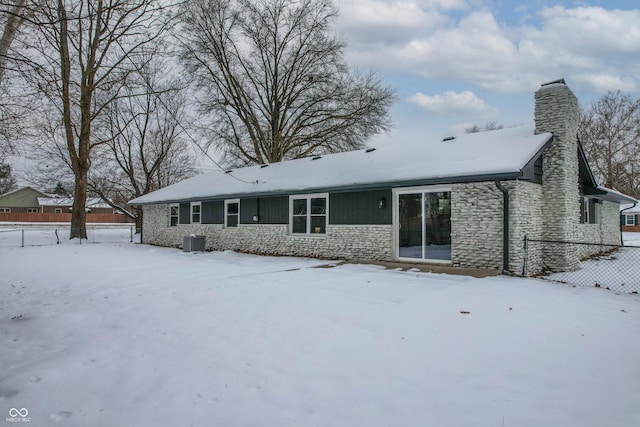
point(308, 214)
point(585, 210)
point(629, 216)
point(57, 210)
point(396, 220)
point(199, 213)
point(33, 210)
point(176, 216)
point(5, 210)
point(585, 215)
point(228, 202)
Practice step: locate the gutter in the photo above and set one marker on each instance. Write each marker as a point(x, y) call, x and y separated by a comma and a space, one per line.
point(505, 226)
point(340, 189)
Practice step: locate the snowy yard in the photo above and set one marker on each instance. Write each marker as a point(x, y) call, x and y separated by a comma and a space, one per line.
point(126, 334)
point(631, 239)
point(618, 271)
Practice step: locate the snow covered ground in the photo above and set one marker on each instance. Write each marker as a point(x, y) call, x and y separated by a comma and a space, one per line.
point(618, 271)
point(126, 334)
point(631, 239)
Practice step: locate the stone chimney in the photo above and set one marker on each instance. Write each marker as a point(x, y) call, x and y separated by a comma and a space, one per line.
point(557, 111)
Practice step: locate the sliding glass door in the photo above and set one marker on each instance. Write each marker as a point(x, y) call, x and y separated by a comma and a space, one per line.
point(424, 225)
point(410, 221)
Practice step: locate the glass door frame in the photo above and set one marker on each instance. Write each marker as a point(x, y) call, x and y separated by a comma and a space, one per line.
point(396, 220)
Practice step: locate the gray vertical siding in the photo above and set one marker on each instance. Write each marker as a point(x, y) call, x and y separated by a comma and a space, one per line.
point(274, 210)
point(213, 212)
point(360, 207)
point(185, 213)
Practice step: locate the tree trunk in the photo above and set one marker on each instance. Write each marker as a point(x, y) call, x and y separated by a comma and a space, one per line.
point(15, 19)
point(79, 211)
point(9, 33)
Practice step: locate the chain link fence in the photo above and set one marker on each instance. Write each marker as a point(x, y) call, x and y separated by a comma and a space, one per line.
point(613, 267)
point(21, 236)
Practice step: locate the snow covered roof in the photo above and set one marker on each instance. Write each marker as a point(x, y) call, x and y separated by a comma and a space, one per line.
point(501, 153)
point(68, 201)
point(611, 195)
point(630, 209)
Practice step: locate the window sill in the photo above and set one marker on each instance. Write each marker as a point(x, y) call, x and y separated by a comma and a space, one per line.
point(308, 236)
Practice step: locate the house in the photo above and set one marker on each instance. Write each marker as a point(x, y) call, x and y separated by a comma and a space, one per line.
point(466, 202)
point(23, 200)
point(630, 218)
point(30, 205)
point(57, 204)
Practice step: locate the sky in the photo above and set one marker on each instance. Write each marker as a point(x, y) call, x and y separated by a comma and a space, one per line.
point(455, 63)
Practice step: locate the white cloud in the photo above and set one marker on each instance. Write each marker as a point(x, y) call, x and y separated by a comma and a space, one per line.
point(603, 82)
point(387, 22)
point(452, 103)
point(594, 47)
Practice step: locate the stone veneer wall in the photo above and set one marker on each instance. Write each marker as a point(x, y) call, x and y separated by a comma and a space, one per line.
point(357, 242)
point(477, 224)
point(556, 110)
point(526, 219)
point(606, 231)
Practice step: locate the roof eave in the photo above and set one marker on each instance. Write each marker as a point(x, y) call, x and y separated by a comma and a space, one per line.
point(609, 195)
point(344, 188)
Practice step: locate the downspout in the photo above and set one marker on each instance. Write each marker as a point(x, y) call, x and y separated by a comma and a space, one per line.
point(630, 207)
point(505, 227)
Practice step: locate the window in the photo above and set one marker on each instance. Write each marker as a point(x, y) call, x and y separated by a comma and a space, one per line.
point(32, 210)
point(174, 212)
point(630, 219)
point(196, 208)
point(590, 211)
point(5, 210)
point(231, 212)
point(308, 214)
point(57, 210)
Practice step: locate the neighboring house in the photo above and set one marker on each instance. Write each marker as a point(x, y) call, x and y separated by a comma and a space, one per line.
point(466, 201)
point(630, 218)
point(51, 204)
point(23, 200)
point(30, 205)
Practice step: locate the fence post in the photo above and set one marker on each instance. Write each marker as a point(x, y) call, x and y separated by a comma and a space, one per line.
point(131, 238)
point(22, 237)
point(524, 256)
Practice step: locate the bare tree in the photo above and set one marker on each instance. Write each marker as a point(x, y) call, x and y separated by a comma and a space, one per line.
point(487, 127)
point(610, 134)
point(83, 56)
point(275, 82)
point(147, 146)
point(13, 14)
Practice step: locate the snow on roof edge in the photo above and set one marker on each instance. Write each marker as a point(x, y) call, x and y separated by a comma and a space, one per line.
point(483, 155)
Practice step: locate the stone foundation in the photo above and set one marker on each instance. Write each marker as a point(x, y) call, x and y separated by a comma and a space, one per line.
point(356, 242)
